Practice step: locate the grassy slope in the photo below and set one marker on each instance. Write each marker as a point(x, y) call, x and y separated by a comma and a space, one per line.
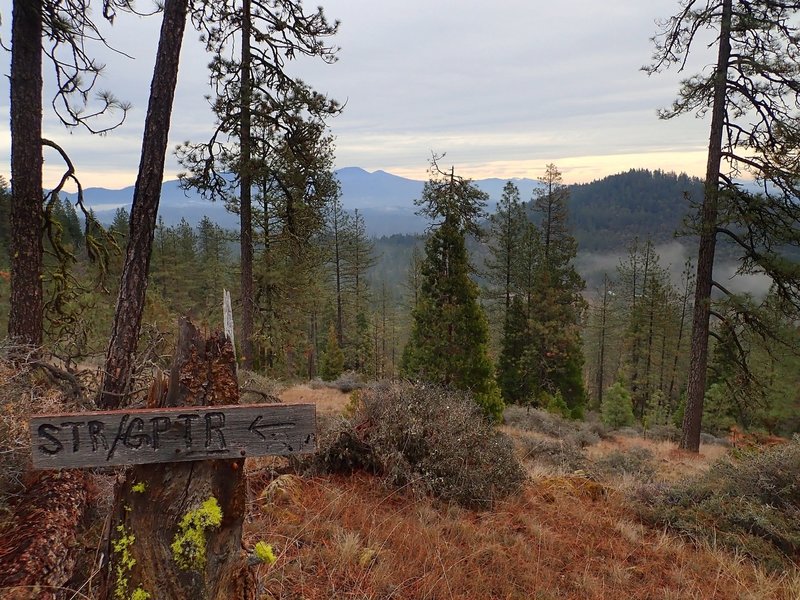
point(565, 537)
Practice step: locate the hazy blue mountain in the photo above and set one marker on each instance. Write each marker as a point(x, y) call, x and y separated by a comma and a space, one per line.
point(175, 204)
point(386, 201)
point(638, 202)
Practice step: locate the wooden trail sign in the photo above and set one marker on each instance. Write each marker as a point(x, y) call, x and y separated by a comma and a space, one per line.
point(128, 437)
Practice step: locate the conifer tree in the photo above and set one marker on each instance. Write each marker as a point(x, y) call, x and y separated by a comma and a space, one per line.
point(261, 109)
point(450, 334)
point(214, 259)
point(333, 357)
point(617, 408)
point(513, 375)
point(121, 223)
point(359, 257)
point(752, 94)
point(296, 187)
point(555, 305)
point(641, 276)
point(507, 231)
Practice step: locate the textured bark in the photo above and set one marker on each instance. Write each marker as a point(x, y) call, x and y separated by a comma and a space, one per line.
point(203, 374)
point(698, 358)
point(37, 542)
point(245, 202)
point(25, 321)
point(146, 196)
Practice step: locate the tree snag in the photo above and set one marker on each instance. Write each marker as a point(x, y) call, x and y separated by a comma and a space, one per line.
point(176, 528)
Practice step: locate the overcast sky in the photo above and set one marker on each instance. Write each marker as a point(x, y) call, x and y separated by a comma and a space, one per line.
point(503, 88)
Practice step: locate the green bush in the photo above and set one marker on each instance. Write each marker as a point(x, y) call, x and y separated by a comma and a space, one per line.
point(717, 407)
point(617, 408)
point(424, 438)
point(554, 404)
point(751, 505)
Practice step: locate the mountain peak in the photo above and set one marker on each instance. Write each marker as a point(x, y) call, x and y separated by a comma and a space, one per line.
point(351, 171)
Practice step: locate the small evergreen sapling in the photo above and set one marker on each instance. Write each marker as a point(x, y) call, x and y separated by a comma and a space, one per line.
point(617, 408)
point(333, 359)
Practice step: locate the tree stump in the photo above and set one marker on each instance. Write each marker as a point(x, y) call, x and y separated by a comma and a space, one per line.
point(176, 528)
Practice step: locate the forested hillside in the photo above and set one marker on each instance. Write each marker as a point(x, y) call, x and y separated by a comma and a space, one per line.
point(607, 214)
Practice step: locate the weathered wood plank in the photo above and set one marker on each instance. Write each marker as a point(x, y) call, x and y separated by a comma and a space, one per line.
point(127, 437)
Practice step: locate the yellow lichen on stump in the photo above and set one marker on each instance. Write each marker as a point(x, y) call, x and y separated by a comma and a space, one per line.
point(189, 545)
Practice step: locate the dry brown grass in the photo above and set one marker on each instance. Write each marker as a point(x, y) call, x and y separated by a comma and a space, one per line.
point(565, 537)
point(671, 463)
point(329, 401)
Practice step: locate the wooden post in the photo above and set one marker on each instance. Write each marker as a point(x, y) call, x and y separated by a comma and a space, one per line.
point(176, 528)
point(227, 316)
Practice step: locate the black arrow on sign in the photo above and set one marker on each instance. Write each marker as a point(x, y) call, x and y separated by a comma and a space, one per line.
point(256, 426)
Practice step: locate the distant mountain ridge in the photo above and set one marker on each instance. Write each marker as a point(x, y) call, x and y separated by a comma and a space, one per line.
point(637, 202)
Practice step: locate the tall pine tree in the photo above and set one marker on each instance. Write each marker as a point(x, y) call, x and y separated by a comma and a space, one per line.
point(556, 304)
point(450, 334)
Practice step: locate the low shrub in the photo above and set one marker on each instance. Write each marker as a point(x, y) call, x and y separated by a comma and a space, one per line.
point(707, 438)
point(254, 388)
point(629, 432)
point(586, 436)
point(540, 421)
point(594, 426)
point(556, 426)
point(562, 454)
point(424, 438)
point(347, 382)
point(751, 505)
point(664, 433)
point(636, 462)
point(555, 404)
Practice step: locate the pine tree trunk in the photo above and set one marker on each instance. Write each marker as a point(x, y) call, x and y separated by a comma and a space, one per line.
point(145, 522)
point(25, 320)
point(245, 201)
point(601, 359)
point(38, 539)
point(698, 358)
point(146, 196)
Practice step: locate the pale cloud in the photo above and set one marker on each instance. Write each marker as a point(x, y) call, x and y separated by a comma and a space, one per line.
point(504, 89)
